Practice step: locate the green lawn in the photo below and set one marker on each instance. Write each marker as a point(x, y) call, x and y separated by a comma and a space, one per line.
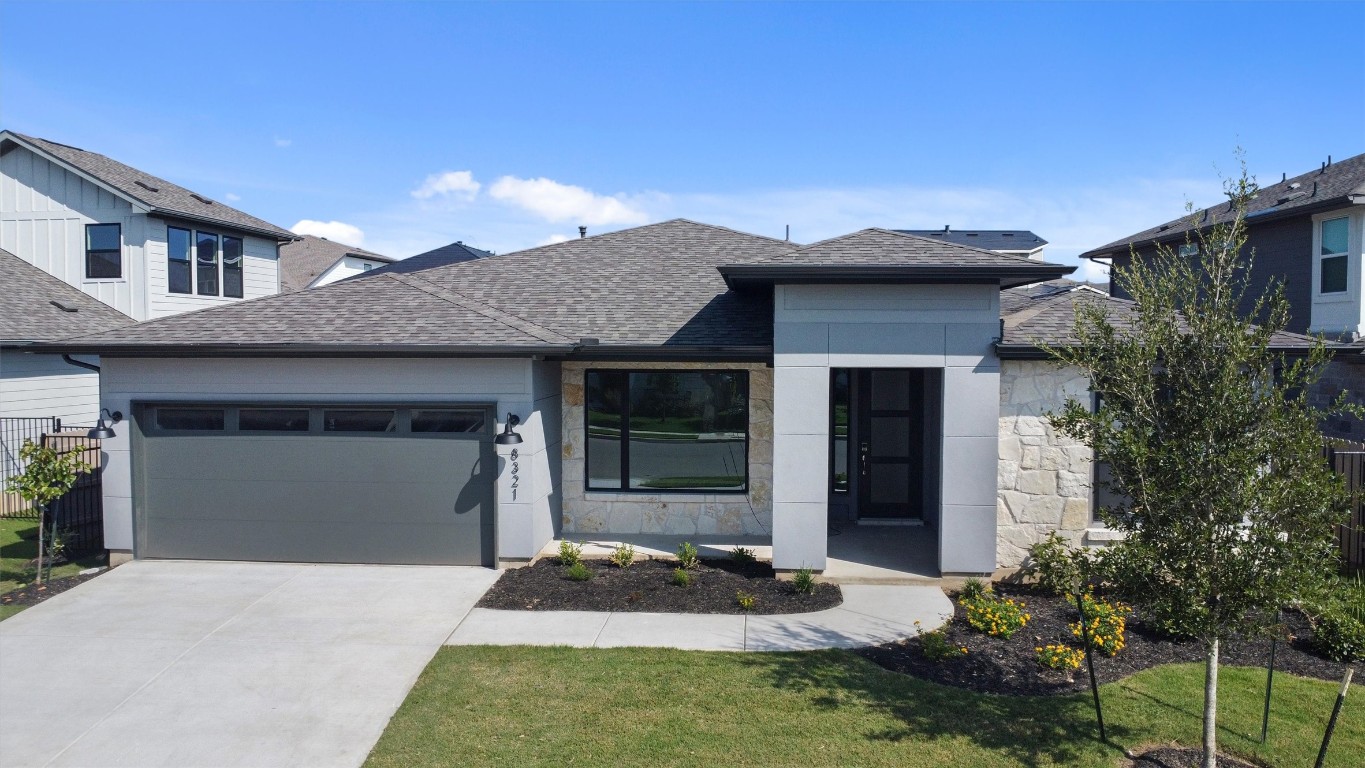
point(18, 545)
point(552, 706)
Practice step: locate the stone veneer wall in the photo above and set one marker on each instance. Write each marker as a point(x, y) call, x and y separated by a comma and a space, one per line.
point(1044, 483)
point(607, 512)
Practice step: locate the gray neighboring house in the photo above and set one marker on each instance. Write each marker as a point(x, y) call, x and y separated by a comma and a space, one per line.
point(678, 379)
point(1308, 232)
point(312, 261)
point(1017, 242)
point(453, 253)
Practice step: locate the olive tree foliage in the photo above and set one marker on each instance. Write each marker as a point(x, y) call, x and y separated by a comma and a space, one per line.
point(48, 474)
point(1229, 509)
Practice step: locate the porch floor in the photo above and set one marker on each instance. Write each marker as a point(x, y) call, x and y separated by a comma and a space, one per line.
point(882, 554)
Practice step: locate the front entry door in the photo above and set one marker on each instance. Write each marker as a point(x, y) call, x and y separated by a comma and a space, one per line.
point(891, 444)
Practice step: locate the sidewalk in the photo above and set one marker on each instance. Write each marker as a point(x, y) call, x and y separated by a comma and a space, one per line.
point(869, 615)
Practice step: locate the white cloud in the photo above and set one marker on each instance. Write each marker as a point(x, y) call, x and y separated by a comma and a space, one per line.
point(282, 143)
point(231, 198)
point(556, 202)
point(552, 239)
point(457, 184)
point(336, 231)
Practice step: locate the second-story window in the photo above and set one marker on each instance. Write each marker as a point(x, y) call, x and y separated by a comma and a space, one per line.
point(206, 263)
point(103, 251)
point(232, 267)
point(178, 247)
point(1333, 264)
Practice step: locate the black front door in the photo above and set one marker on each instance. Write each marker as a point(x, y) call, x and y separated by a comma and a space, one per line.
point(891, 444)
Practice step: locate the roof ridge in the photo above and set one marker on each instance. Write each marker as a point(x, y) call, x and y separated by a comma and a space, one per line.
point(506, 318)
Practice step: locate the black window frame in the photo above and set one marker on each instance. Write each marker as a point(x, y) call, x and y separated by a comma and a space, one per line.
point(199, 266)
point(187, 262)
point(625, 487)
point(236, 268)
point(117, 252)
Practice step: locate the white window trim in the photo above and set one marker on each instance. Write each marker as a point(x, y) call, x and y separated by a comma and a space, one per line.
point(1353, 257)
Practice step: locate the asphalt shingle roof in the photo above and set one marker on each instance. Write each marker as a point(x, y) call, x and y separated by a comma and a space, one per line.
point(157, 193)
point(30, 311)
point(1336, 182)
point(648, 286)
point(990, 239)
point(437, 257)
point(303, 260)
point(1031, 317)
point(885, 247)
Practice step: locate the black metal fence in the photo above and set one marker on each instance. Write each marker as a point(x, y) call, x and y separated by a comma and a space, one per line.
point(1348, 460)
point(78, 516)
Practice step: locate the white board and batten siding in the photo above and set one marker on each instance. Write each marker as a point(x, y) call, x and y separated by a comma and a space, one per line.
point(521, 386)
point(43, 212)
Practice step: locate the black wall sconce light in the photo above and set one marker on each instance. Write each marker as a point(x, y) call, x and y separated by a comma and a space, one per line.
point(103, 431)
point(508, 437)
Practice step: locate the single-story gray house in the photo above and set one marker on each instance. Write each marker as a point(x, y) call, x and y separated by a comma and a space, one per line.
point(676, 378)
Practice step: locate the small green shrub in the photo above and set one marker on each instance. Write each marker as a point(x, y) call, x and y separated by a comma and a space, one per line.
point(1107, 624)
point(974, 588)
point(570, 553)
point(743, 555)
point(1339, 636)
point(681, 577)
point(1055, 565)
point(687, 555)
point(746, 600)
point(935, 646)
point(1060, 657)
point(622, 556)
point(578, 572)
point(1353, 596)
point(803, 581)
point(995, 616)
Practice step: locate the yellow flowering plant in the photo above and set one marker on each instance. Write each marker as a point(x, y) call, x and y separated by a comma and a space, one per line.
point(995, 616)
point(1106, 624)
point(1059, 657)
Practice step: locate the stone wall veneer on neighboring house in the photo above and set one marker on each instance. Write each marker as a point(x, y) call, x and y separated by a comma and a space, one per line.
point(1045, 477)
point(684, 514)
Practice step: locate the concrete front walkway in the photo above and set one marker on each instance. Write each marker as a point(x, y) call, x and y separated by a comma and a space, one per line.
point(223, 664)
point(869, 615)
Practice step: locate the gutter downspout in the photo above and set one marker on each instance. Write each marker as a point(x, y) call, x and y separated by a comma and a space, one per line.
point(73, 361)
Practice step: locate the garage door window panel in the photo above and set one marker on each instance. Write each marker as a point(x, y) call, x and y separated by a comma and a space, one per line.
point(273, 419)
point(191, 419)
point(341, 420)
point(468, 420)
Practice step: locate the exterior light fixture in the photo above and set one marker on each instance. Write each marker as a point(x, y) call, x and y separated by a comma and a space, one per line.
point(104, 431)
point(508, 437)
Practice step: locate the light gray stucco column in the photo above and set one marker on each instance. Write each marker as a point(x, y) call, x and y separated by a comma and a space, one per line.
point(515, 503)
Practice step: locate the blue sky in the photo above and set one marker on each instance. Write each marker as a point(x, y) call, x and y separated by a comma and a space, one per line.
point(403, 126)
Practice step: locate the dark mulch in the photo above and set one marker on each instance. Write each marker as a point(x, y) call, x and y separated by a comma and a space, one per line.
point(36, 593)
point(646, 586)
point(995, 665)
point(1181, 757)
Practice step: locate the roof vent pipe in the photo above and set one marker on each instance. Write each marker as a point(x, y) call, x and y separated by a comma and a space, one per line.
point(582, 232)
point(945, 227)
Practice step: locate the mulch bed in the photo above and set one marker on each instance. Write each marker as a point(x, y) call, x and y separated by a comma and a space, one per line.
point(36, 593)
point(1181, 757)
point(995, 665)
point(647, 586)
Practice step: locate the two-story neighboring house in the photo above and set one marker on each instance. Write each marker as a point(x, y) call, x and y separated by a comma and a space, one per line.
point(137, 243)
point(1307, 232)
point(312, 261)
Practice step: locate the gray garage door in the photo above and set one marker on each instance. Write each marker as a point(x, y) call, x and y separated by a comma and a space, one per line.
point(315, 483)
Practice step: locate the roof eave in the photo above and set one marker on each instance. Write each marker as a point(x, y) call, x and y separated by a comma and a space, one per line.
point(1178, 236)
point(738, 275)
point(279, 236)
point(1017, 351)
point(301, 350)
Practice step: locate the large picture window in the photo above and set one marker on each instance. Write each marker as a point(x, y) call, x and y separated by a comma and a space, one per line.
point(667, 430)
point(103, 251)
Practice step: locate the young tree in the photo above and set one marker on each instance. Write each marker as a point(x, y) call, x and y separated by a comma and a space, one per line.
point(48, 474)
point(1229, 509)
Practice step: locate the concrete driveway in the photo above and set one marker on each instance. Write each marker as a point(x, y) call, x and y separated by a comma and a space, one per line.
point(223, 664)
